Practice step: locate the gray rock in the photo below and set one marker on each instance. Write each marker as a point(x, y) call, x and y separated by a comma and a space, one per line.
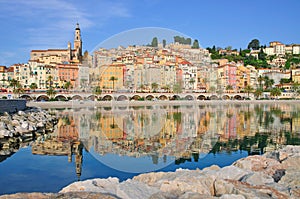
point(257, 178)
point(108, 185)
point(40, 125)
point(193, 195)
point(231, 172)
point(223, 187)
point(21, 113)
point(15, 123)
point(4, 133)
point(24, 125)
point(134, 189)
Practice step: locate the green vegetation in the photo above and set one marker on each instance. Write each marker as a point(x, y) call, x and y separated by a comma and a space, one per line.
point(113, 79)
point(154, 42)
point(33, 86)
point(182, 40)
point(97, 90)
point(195, 44)
point(254, 44)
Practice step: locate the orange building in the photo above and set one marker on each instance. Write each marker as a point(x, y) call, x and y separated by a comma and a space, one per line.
point(68, 73)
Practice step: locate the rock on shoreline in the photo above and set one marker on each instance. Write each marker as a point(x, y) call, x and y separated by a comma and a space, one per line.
point(272, 175)
point(23, 126)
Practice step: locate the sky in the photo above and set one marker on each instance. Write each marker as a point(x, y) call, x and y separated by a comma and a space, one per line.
point(35, 24)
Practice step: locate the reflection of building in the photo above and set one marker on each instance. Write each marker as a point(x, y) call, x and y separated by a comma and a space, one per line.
point(59, 148)
point(179, 131)
point(67, 128)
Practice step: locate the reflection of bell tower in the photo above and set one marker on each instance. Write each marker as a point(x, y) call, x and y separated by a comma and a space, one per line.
point(78, 159)
point(78, 42)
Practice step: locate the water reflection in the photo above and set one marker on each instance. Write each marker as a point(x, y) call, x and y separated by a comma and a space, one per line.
point(145, 138)
point(155, 136)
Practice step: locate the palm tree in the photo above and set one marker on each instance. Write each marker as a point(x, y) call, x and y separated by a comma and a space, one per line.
point(275, 92)
point(248, 89)
point(19, 89)
point(258, 92)
point(260, 79)
point(67, 85)
point(49, 80)
point(113, 79)
point(268, 82)
point(13, 83)
point(33, 86)
point(50, 92)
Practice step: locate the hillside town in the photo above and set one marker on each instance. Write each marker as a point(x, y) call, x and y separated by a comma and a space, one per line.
point(178, 67)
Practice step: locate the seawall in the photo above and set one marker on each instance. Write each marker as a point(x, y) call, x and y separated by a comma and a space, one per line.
point(12, 105)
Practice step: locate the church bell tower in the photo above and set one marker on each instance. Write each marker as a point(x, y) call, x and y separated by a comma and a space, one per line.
point(78, 42)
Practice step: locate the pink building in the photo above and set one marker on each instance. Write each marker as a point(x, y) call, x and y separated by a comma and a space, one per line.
point(227, 76)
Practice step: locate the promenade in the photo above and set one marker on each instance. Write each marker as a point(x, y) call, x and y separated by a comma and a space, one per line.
point(79, 104)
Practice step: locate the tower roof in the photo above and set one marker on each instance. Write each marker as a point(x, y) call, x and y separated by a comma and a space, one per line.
point(77, 27)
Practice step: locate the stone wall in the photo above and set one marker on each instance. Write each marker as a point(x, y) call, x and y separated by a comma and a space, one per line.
point(12, 105)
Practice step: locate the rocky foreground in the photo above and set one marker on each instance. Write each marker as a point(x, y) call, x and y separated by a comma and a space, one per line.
point(272, 175)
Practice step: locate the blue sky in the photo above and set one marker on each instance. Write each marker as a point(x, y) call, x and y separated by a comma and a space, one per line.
point(36, 24)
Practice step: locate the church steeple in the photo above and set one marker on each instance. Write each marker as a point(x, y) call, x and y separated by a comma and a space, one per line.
point(78, 42)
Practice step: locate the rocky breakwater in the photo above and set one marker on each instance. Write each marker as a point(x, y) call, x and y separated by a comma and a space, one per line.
point(22, 127)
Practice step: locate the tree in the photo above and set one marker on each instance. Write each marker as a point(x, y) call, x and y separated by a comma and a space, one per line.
point(177, 88)
point(229, 87)
point(295, 86)
point(268, 82)
point(67, 85)
point(248, 89)
point(191, 82)
point(13, 83)
point(275, 92)
point(260, 79)
point(195, 44)
point(33, 86)
point(258, 93)
point(50, 92)
point(154, 42)
point(164, 43)
point(3, 79)
point(188, 41)
point(212, 89)
point(97, 90)
point(254, 44)
point(154, 86)
point(49, 80)
point(19, 89)
point(113, 79)
point(262, 55)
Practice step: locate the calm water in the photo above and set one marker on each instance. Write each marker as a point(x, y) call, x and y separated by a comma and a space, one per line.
point(125, 141)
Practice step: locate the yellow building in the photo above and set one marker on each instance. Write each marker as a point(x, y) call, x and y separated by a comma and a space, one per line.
point(112, 77)
point(242, 77)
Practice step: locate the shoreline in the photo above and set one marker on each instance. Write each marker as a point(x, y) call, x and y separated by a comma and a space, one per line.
point(79, 104)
